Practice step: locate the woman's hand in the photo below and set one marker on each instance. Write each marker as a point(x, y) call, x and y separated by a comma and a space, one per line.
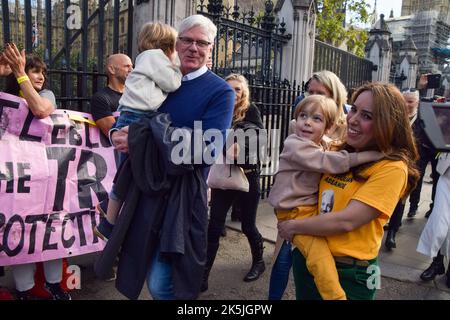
point(423, 81)
point(15, 59)
point(346, 220)
point(286, 229)
point(5, 69)
point(120, 139)
point(40, 107)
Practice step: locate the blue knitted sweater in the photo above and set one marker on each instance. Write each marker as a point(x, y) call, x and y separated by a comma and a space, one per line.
point(207, 98)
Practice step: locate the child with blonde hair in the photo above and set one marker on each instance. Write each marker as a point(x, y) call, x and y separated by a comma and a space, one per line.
point(146, 88)
point(294, 194)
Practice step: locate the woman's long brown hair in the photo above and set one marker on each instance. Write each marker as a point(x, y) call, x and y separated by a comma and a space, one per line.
point(392, 130)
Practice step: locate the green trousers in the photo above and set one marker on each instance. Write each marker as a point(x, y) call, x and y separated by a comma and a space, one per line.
point(358, 282)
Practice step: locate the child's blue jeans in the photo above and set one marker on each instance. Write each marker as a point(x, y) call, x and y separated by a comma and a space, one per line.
point(125, 119)
point(128, 117)
point(280, 272)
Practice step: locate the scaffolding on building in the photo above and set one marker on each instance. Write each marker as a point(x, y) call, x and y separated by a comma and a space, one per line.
point(428, 31)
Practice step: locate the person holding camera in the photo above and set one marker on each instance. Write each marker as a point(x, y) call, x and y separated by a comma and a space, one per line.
point(427, 154)
point(429, 82)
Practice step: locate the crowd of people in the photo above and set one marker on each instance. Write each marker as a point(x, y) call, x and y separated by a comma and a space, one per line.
point(345, 173)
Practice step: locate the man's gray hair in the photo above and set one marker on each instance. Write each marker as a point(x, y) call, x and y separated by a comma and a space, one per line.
point(412, 92)
point(198, 20)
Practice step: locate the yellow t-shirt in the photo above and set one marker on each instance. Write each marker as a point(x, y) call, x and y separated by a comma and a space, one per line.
point(382, 190)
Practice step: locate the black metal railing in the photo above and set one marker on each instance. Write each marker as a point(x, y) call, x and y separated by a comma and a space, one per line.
point(74, 97)
point(352, 70)
point(275, 100)
point(72, 38)
point(253, 47)
point(246, 44)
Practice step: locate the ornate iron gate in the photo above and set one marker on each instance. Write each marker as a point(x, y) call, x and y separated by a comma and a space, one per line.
point(252, 45)
point(77, 38)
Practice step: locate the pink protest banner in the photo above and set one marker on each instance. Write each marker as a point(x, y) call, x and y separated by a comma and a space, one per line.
point(53, 172)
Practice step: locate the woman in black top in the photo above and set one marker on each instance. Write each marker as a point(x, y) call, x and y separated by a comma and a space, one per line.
point(246, 116)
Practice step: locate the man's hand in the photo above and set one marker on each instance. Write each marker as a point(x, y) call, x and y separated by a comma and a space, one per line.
point(120, 139)
point(423, 81)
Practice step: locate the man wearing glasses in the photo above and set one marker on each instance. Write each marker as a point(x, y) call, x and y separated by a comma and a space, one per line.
point(204, 97)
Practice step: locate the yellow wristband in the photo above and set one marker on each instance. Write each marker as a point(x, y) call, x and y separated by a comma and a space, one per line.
point(22, 79)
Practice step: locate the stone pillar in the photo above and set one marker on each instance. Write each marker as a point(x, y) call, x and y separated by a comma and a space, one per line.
point(379, 50)
point(298, 54)
point(408, 63)
point(167, 11)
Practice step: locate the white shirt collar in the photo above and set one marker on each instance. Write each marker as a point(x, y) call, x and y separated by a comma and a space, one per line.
point(195, 74)
point(413, 119)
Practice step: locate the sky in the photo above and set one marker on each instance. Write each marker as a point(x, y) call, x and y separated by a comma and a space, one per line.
point(385, 6)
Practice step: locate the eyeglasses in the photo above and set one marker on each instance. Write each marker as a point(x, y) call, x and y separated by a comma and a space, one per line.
point(187, 42)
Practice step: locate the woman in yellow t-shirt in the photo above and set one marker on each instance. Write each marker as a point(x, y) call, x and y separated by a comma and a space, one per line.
point(360, 202)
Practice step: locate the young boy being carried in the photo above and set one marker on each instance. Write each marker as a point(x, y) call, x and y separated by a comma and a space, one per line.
point(146, 88)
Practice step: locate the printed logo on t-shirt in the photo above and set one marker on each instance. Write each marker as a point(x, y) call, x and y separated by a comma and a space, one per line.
point(339, 181)
point(327, 203)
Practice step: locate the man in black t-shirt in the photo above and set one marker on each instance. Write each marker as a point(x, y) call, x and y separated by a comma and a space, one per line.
point(106, 101)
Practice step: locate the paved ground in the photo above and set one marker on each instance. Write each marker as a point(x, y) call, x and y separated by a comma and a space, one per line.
point(226, 279)
point(400, 268)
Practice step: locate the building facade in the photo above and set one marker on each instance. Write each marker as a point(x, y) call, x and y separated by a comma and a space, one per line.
point(429, 27)
point(423, 27)
point(410, 7)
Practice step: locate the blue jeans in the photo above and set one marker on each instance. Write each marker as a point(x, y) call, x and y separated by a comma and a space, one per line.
point(159, 279)
point(125, 119)
point(280, 272)
point(128, 117)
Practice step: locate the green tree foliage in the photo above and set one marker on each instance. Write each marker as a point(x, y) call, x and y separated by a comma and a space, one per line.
point(331, 27)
